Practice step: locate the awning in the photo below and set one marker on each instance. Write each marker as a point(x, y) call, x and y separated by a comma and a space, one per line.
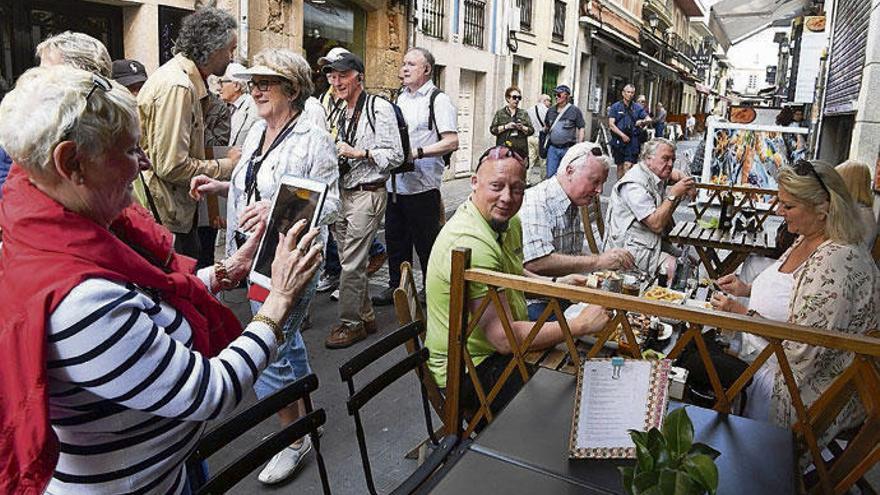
point(610, 34)
point(658, 66)
point(732, 21)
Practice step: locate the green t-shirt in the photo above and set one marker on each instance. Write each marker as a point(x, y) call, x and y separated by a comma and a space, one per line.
point(468, 229)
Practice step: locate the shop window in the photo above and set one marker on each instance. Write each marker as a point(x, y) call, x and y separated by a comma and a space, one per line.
point(330, 24)
point(169, 26)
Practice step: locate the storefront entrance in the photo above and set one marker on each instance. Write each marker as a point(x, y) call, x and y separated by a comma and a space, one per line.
point(24, 23)
point(327, 24)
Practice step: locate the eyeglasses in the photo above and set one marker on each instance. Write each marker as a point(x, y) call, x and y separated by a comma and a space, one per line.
point(805, 167)
point(498, 153)
point(263, 84)
point(516, 97)
point(98, 82)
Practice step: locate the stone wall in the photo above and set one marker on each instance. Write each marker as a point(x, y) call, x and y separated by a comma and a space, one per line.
point(385, 47)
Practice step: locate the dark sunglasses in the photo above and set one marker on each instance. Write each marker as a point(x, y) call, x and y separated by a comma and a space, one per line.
point(263, 84)
point(498, 153)
point(516, 97)
point(805, 167)
point(98, 82)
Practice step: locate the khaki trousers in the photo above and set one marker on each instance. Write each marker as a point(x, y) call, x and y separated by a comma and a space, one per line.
point(361, 212)
point(536, 171)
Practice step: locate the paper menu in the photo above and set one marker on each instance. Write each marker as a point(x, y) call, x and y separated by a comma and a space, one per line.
point(606, 408)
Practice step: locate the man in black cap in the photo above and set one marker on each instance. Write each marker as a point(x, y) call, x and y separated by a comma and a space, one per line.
point(368, 145)
point(565, 128)
point(130, 73)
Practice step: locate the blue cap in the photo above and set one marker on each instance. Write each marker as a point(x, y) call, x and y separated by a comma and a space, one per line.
point(562, 88)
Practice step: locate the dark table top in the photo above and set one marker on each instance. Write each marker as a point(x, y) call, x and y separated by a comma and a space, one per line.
point(534, 430)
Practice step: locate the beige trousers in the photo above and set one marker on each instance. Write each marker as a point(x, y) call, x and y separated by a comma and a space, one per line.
point(537, 165)
point(361, 212)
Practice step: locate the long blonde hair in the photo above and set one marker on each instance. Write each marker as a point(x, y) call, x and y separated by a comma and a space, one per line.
point(837, 204)
point(857, 177)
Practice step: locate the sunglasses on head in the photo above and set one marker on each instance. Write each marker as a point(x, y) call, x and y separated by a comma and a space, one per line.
point(805, 167)
point(98, 82)
point(499, 153)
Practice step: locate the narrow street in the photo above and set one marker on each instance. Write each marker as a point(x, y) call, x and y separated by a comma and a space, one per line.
point(394, 423)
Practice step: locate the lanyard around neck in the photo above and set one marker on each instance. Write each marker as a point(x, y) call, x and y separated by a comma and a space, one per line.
point(254, 164)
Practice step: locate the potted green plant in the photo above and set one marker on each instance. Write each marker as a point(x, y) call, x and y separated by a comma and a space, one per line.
point(669, 462)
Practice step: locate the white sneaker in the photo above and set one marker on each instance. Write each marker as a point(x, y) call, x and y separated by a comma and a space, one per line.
point(327, 282)
point(334, 296)
point(284, 464)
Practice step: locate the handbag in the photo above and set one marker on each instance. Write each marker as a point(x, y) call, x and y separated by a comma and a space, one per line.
point(544, 136)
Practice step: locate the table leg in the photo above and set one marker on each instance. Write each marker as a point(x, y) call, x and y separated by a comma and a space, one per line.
point(707, 261)
point(731, 262)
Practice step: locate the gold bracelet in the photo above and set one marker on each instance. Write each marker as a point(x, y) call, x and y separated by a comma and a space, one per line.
point(276, 328)
point(221, 275)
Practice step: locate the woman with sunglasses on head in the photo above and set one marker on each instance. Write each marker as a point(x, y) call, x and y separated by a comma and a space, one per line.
point(825, 280)
point(512, 125)
point(286, 141)
point(115, 351)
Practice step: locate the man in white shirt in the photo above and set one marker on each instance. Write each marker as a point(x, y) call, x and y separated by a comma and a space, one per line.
point(538, 114)
point(412, 218)
point(553, 233)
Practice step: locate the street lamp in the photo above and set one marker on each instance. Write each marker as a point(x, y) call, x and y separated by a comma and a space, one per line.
point(653, 21)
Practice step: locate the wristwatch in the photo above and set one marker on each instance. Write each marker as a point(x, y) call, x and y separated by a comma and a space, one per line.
point(672, 197)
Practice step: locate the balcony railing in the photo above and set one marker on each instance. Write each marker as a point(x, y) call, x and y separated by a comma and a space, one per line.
point(681, 46)
point(474, 22)
point(432, 18)
point(558, 20)
point(525, 14)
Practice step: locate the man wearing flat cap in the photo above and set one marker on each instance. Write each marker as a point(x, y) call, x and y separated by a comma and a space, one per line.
point(565, 128)
point(368, 145)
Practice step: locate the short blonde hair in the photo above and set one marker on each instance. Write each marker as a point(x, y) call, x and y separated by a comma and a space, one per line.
point(840, 210)
point(294, 69)
point(48, 105)
point(857, 177)
point(79, 50)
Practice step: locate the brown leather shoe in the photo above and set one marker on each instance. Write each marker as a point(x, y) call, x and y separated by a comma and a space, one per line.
point(370, 326)
point(344, 336)
point(376, 262)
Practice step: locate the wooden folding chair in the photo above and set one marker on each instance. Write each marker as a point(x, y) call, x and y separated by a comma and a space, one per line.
point(590, 214)
point(360, 397)
point(228, 476)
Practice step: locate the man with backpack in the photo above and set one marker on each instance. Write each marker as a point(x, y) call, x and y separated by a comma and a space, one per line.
point(412, 218)
point(564, 126)
point(368, 144)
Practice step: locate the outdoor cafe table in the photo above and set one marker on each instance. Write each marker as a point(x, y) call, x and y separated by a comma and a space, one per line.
point(525, 450)
point(708, 242)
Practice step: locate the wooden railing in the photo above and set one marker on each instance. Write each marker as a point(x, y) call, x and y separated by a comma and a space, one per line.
point(861, 378)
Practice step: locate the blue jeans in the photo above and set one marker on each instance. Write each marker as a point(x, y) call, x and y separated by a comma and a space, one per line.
point(554, 156)
point(332, 266)
point(536, 308)
point(292, 360)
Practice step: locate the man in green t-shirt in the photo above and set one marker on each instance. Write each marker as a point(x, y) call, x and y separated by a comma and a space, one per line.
point(487, 224)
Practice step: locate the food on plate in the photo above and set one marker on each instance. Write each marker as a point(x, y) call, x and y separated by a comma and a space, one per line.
point(663, 294)
point(742, 115)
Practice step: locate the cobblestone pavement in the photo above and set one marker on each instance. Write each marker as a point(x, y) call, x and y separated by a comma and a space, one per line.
point(393, 422)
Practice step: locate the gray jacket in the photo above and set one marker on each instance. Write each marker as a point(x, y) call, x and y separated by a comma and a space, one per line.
point(627, 232)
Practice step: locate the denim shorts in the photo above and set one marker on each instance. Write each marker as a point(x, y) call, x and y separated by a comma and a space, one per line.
point(292, 360)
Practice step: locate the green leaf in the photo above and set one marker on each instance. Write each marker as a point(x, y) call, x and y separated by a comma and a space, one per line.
point(673, 482)
point(703, 449)
point(644, 459)
point(703, 469)
point(656, 444)
point(643, 481)
point(626, 472)
point(679, 433)
point(639, 437)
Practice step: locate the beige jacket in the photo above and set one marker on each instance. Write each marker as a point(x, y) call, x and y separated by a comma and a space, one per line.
point(171, 106)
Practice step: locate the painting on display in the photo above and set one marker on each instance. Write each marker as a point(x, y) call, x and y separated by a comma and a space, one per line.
point(749, 154)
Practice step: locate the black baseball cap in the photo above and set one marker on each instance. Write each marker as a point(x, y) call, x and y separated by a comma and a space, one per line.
point(129, 72)
point(346, 61)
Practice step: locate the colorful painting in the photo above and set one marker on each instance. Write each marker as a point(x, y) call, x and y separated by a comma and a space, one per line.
point(750, 155)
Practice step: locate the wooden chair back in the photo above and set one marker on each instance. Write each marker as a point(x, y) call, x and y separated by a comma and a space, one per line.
point(409, 309)
point(813, 419)
point(751, 197)
point(592, 215)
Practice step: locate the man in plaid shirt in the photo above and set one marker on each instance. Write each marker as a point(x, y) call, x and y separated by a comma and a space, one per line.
point(553, 234)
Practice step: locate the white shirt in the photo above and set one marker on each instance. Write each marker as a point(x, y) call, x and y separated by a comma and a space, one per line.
point(771, 294)
point(307, 151)
point(314, 113)
point(428, 173)
point(538, 114)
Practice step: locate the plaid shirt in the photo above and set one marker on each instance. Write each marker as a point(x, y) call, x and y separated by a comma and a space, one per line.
point(550, 222)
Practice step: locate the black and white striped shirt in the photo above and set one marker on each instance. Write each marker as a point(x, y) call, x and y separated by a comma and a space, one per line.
point(128, 397)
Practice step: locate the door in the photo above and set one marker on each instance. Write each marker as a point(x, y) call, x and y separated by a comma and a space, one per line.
point(461, 163)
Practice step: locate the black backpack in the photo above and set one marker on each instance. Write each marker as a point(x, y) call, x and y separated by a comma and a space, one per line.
point(407, 165)
point(432, 122)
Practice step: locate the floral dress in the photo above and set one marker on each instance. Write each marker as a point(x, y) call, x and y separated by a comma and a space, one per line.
point(836, 288)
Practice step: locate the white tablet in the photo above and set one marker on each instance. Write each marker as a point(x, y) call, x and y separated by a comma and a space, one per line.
point(297, 199)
